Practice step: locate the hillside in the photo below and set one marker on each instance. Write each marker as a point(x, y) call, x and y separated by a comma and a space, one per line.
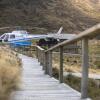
point(89, 7)
point(47, 15)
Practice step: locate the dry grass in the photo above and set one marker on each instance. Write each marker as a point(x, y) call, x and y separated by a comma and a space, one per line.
point(71, 66)
point(10, 72)
point(88, 7)
point(75, 83)
point(75, 68)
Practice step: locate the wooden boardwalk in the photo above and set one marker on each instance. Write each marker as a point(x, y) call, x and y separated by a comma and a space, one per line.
point(38, 86)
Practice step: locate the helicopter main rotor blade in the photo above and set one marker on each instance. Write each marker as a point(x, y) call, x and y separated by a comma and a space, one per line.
point(10, 27)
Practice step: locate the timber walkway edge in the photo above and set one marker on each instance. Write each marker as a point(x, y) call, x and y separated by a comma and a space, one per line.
point(38, 86)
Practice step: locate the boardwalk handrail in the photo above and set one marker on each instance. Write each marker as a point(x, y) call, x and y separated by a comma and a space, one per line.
point(45, 56)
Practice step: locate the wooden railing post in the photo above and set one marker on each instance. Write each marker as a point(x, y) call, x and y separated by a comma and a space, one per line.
point(36, 52)
point(43, 60)
point(85, 65)
point(46, 63)
point(50, 63)
point(61, 65)
point(40, 56)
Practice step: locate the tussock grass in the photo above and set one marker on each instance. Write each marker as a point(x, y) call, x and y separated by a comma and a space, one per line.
point(73, 63)
point(89, 7)
point(75, 83)
point(93, 86)
point(10, 71)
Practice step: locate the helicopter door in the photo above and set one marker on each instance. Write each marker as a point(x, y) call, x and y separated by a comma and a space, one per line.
point(6, 38)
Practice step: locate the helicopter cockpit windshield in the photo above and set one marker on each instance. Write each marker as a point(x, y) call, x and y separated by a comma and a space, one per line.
point(2, 36)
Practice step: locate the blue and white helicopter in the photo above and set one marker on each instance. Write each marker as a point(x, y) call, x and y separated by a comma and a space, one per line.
point(23, 38)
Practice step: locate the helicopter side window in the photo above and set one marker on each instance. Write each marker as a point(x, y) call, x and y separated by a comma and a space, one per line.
point(6, 38)
point(12, 36)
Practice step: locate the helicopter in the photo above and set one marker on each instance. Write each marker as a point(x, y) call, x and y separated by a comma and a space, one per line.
point(19, 37)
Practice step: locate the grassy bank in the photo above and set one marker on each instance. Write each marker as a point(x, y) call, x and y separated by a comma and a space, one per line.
point(10, 71)
point(75, 83)
point(93, 90)
point(73, 63)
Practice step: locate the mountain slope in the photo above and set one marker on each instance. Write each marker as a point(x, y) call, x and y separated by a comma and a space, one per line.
point(89, 7)
point(50, 14)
